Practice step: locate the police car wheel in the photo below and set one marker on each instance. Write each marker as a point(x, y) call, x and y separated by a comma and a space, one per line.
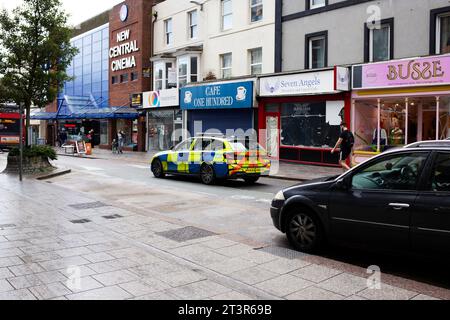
point(157, 169)
point(207, 174)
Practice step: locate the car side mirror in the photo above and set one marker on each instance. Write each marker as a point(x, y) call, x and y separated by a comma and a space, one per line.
point(343, 184)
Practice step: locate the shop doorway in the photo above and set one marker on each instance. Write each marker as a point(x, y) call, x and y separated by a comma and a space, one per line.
point(273, 135)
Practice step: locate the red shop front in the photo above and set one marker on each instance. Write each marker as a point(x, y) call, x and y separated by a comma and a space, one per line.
point(300, 114)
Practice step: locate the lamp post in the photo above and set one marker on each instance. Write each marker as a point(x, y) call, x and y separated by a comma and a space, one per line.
point(21, 143)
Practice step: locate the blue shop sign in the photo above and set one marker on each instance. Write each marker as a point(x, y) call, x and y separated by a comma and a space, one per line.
point(238, 95)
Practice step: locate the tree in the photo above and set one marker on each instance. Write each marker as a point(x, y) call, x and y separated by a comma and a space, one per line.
point(35, 51)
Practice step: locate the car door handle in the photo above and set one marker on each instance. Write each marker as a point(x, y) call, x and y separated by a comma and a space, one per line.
point(399, 206)
point(442, 210)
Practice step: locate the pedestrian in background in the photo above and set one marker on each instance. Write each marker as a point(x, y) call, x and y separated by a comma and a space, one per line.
point(346, 143)
point(120, 141)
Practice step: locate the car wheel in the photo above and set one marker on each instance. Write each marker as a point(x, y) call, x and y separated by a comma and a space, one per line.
point(207, 174)
point(157, 169)
point(304, 231)
point(251, 180)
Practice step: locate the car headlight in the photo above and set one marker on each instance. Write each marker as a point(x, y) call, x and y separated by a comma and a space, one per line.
point(280, 196)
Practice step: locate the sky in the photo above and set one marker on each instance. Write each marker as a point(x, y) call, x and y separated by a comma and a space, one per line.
point(79, 10)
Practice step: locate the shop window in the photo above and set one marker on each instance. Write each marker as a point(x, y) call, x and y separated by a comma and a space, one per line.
point(310, 124)
point(255, 61)
point(168, 31)
point(379, 41)
point(443, 34)
point(226, 61)
point(316, 50)
point(104, 133)
point(227, 14)
point(134, 76)
point(193, 24)
point(256, 8)
point(124, 78)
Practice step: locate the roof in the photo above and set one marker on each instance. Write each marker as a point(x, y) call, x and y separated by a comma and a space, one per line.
point(82, 107)
point(429, 144)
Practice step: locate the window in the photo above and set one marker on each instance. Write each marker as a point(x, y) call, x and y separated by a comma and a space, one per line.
point(183, 71)
point(316, 50)
point(193, 24)
point(169, 31)
point(184, 146)
point(314, 4)
point(256, 7)
point(441, 174)
point(227, 14)
point(256, 61)
point(134, 76)
point(159, 76)
point(124, 78)
point(443, 34)
point(226, 65)
point(310, 124)
point(380, 41)
point(188, 70)
point(114, 80)
point(399, 172)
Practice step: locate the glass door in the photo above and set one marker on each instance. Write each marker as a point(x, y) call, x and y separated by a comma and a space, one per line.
point(272, 135)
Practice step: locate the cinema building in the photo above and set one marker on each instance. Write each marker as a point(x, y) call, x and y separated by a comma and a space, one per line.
point(110, 72)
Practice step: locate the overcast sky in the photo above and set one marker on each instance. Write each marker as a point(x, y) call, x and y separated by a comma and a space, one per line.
point(79, 10)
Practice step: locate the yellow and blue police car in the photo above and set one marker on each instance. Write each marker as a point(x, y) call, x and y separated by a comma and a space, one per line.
point(214, 158)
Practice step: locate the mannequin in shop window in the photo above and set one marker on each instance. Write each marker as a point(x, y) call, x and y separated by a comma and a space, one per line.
point(396, 134)
point(383, 135)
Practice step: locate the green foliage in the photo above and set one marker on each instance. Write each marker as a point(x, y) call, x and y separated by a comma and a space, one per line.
point(35, 151)
point(35, 51)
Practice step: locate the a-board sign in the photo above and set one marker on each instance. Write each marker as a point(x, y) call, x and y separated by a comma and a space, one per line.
point(81, 147)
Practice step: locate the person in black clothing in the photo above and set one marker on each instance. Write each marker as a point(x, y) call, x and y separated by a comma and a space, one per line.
point(345, 143)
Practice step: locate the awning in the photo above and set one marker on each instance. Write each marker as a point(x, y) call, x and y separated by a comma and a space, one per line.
point(80, 108)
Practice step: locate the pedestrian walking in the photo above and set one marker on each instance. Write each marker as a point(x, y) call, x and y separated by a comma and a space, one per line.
point(346, 143)
point(120, 141)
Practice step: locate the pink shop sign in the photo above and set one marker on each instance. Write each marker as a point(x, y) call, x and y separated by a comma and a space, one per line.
point(413, 72)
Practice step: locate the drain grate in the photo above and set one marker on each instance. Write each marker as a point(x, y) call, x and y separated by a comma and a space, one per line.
point(81, 221)
point(282, 252)
point(89, 205)
point(115, 216)
point(4, 226)
point(186, 234)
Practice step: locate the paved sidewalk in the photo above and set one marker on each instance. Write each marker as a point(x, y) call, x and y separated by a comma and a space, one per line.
point(57, 243)
point(280, 170)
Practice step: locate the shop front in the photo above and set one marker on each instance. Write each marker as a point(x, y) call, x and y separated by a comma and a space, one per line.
point(400, 102)
point(164, 119)
point(220, 108)
point(300, 114)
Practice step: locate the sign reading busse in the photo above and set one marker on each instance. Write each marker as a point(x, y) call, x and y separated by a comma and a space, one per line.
point(238, 95)
point(400, 73)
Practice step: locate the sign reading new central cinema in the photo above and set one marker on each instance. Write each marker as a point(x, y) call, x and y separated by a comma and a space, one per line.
point(124, 47)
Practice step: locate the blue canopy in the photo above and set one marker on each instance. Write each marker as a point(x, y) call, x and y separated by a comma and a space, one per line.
point(80, 108)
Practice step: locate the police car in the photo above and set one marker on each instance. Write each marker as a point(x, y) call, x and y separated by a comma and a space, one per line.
point(214, 158)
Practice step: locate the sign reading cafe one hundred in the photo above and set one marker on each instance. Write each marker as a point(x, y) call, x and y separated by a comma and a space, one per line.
point(124, 47)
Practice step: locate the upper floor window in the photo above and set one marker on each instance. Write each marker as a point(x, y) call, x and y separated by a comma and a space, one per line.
point(226, 65)
point(256, 61)
point(124, 78)
point(134, 76)
point(316, 50)
point(163, 76)
point(314, 4)
point(188, 70)
point(193, 24)
point(256, 7)
point(169, 31)
point(379, 40)
point(443, 33)
point(227, 14)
